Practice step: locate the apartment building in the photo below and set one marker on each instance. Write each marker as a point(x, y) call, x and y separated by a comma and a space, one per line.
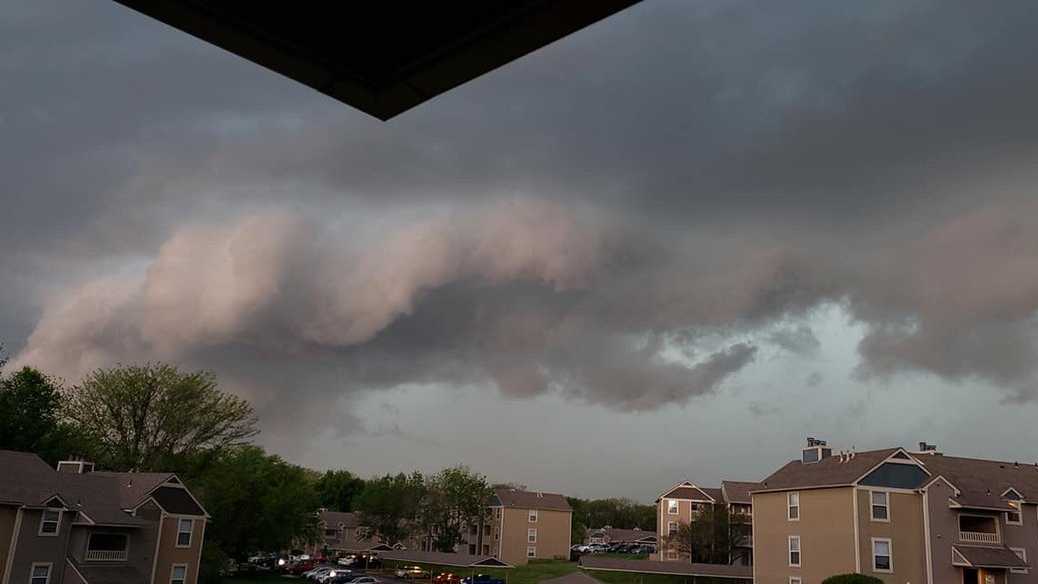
point(686, 502)
point(898, 515)
point(341, 532)
point(610, 535)
point(72, 525)
point(527, 525)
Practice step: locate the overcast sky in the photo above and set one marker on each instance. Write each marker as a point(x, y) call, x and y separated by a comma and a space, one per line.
point(667, 247)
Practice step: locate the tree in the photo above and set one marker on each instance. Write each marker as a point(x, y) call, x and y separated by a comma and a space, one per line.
point(617, 512)
point(338, 488)
point(155, 417)
point(852, 579)
point(709, 539)
point(31, 415)
point(258, 502)
point(455, 498)
point(389, 505)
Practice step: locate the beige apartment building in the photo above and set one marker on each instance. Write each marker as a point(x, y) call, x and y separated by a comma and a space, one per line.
point(526, 525)
point(72, 525)
point(685, 502)
point(903, 517)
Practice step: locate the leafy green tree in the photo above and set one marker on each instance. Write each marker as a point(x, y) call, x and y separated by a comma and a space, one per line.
point(709, 539)
point(258, 502)
point(455, 498)
point(852, 579)
point(389, 505)
point(155, 417)
point(616, 512)
point(338, 488)
point(31, 405)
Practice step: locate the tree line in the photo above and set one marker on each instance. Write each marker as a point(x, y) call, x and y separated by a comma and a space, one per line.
point(155, 417)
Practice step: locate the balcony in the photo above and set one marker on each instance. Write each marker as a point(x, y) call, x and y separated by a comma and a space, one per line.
point(980, 537)
point(979, 529)
point(105, 556)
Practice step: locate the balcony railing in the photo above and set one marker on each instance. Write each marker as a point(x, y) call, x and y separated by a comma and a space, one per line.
point(979, 537)
point(106, 555)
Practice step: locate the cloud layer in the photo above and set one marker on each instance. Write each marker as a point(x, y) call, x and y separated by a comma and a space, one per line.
point(627, 218)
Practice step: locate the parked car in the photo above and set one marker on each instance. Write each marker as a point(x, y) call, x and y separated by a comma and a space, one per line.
point(299, 566)
point(482, 579)
point(340, 576)
point(412, 572)
point(447, 578)
point(317, 572)
point(336, 572)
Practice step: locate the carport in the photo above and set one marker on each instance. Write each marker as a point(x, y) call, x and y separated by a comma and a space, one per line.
point(690, 571)
point(447, 559)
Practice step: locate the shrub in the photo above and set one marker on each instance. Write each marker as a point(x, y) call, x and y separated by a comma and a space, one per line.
point(852, 579)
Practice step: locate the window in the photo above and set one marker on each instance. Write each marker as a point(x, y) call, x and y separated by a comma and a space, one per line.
point(672, 527)
point(531, 535)
point(672, 554)
point(880, 506)
point(50, 522)
point(40, 574)
point(794, 551)
point(794, 580)
point(793, 506)
point(672, 507)
point(327, 533)
point(178, 575)
point(882, 557)
point(533, 516)
point(1014, 517)
point(1022, 554)
point(184, 527)
point(531, 552)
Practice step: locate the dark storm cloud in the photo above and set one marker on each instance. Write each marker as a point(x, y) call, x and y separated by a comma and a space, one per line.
point(565, 224)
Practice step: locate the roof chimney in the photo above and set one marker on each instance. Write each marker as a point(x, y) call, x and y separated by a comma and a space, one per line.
point(816, 451)
point(75, 466)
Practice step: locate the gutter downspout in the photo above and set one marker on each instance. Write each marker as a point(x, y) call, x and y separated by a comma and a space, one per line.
point(14, 544)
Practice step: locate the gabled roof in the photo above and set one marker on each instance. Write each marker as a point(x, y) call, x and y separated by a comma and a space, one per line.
point(688, 491)
point(832, 471)
point(444, 559)
point(986, 557)
point(625, 535)
point(103, 497)
point(506, 497)
point(984, 483)
point(738, 491)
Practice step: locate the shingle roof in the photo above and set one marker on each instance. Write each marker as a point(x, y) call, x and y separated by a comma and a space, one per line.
point(122, 574)
point(443, 558)
point(334, 518)
point(616, 534)
point(829, 472)
point(689, 491)
point(990, 557)
point(531, 500)
point(673, 568)
point(982, 482)
point(739, 491)
point(102, 496)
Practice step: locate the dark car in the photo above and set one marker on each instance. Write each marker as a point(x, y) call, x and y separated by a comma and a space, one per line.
point(482, 579)
point(447, 578)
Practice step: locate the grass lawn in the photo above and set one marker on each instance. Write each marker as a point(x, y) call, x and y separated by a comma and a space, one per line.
point(531, 573)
